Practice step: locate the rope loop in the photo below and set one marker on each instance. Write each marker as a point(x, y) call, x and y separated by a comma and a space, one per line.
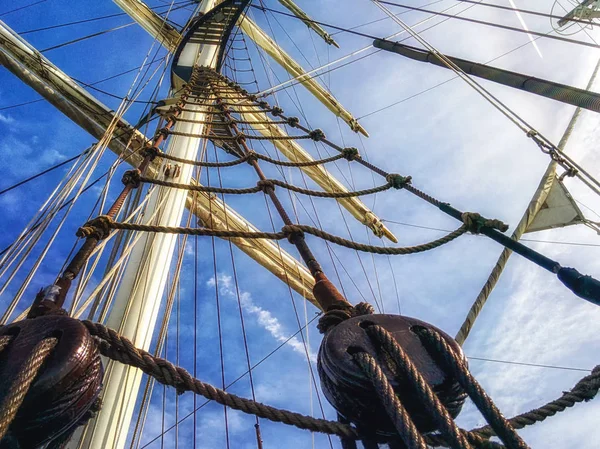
point(335, 315)
point(475, 223)
point(398, 181)
point(350, 153)
point(292, 232)
point(132, 178)
point(98, 227)
point(293, 121)
point(317, 135)
point(338, 313)
point(251, 156)
point(265, 185)
point(363, 308)
point(276, 111)
point(240, 138)
point(150, 152)
point(164, 132)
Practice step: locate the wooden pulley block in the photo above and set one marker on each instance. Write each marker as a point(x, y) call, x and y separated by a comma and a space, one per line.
point(351, 392)
point(65, 388)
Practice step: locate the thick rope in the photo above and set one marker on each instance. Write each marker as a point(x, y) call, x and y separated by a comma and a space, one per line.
point(321, 194)
point(240, 136)
point(456, 438)
point(343, 311)
point(376, 249)
point(585, 390)
point(20, 386)
point(444, 354)
point(399, 416)
point(288, 231)
point(259, 188)
point(249, 157)
point(121, 349)
point(198, 231)
point(200, 188)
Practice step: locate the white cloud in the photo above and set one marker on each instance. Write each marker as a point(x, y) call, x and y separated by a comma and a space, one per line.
point(264, 317)
point(6, 119)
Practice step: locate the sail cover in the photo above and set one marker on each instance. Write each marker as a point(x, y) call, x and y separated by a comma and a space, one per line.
point(558, 210)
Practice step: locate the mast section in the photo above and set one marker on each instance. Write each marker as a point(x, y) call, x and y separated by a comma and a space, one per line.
point(138, 299)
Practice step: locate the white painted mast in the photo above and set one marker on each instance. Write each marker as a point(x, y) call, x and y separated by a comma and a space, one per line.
point(138, 300)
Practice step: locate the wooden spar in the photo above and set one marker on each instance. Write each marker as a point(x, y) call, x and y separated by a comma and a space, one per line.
point(166, 35)
point(261, 39)
point(582, 98)
point(20, 58)
point(295, 9)
point(290, 149)
point(137, 304)
point(151, 22)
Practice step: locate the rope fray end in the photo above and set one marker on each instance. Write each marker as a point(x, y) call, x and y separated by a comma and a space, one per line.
point(98, 227)
point(474, 223)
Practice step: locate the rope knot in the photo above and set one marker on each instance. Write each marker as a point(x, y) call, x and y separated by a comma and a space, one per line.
point(98, 228)
point(263, 104)
point(293, 121)
point(175, 110)
point(240, 137)
point(398, 181)
point(252, 97)
point(276, 111)
point(132, 178)
point(251, 156)
point(172, 117)
point(150, 152)
point(475, 222)
point(265, 185)
point(335, 315)
point(316, 135)
point(363, 308)
point(350, 153)
point(292, 232)
point(338, 313)
point(164, 132)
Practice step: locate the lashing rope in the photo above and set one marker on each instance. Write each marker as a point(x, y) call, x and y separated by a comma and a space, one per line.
point(290, 231)
point(260, 187)
point(121, 349)
point(249, 157)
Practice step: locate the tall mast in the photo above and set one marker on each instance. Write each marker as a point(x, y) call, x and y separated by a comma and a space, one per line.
point(138, 299)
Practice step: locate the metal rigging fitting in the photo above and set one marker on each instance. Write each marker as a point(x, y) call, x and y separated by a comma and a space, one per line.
point(351, 392)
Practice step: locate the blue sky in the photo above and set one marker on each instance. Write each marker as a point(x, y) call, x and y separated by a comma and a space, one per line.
point(455, 146)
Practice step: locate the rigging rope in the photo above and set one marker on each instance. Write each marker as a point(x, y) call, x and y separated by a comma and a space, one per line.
point(20, 385)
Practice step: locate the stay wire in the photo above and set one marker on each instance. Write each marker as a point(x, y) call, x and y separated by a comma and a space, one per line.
point(88, 84)
point(240, 377)
point(530, 12)
point(43, 172)
point(492, 24)
point(370, 36)
point(297, 104)
point(21, 8)
point(306, 349)
point(108, 16)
